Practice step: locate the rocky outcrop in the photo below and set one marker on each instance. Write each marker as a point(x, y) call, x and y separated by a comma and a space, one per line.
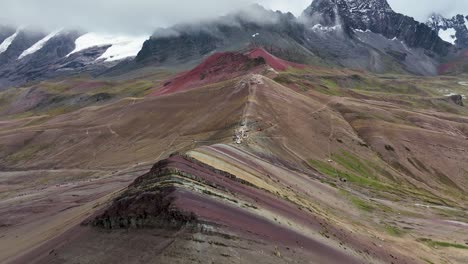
point(148, 209)
point(150, 201)
point(153, 200)
point(456, 99)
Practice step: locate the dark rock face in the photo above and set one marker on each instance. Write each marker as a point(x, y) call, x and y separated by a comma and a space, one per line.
point(458, 23)
point(144, 210)
point(378, 17)
point(187, 45)
point(150, 202)
point(183, 43)
point(456, 99)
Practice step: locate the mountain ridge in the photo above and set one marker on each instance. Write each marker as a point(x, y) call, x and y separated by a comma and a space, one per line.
point(314, 38)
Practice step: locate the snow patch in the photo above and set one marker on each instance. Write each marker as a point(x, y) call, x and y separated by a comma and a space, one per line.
point(362, 31)
point(121, 46)
point(320, 28)
point(36, 47)
point(448, 35)
point(7, 42)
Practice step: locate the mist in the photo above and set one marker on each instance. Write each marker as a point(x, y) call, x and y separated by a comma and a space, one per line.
point(124, 16)
point(144, 16)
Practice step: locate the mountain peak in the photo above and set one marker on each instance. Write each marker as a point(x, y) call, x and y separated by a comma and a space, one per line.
point(453, 30)
point(367, 5)
point(376, 16)
point(360, 6)
point(332, 12)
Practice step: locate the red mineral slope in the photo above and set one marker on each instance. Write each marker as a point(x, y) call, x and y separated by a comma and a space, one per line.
point(274, 62)
point(216, 68)
point(224, 66)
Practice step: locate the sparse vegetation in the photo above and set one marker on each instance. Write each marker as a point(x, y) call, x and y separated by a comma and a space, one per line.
point(394, 231)
point(26, 153)
point(361, 204)
point(358, 202)
point(364, 180)
point(436, 244)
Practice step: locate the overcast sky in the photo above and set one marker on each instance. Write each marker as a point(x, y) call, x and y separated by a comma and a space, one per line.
point(143, 16)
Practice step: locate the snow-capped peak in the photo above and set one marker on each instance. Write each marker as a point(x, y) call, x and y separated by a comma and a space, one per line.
point(7, 42)
point(121, 46)
point(453, 30)
point(38, 45)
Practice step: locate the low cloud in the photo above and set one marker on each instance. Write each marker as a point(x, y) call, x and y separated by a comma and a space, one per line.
point(124, 16)
point(144, 16)
point(421, 9)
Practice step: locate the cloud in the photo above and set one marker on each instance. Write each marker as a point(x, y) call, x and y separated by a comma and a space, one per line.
point(123, 16)
point(421, 9)
point(144, 16)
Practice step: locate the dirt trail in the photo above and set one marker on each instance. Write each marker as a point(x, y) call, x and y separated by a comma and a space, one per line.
point(252, 82)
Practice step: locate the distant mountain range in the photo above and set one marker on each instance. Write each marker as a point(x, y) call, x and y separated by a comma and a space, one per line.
point(362, 34)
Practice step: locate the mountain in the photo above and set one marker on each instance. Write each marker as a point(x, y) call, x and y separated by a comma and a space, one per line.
point(32, 55)
point(339, 33)
point(376, 16)
point(453, 30)
point(357, 34)
point(257, 137)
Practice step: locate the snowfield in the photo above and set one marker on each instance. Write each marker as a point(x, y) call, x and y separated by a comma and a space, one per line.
point(36, 47)
point(7, 42)
point(320, 28)
point(121, 46)
point(448, 35)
